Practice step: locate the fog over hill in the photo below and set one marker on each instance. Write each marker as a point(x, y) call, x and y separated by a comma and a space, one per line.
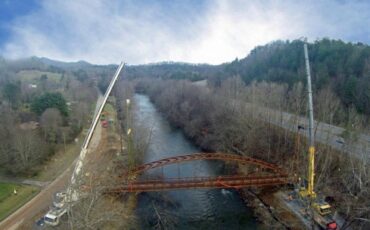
point(344, 67)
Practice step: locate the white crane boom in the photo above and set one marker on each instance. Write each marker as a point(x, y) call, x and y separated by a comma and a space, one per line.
point(93, 125)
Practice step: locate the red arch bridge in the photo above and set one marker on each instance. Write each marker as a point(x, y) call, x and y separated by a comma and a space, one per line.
point(267, 175)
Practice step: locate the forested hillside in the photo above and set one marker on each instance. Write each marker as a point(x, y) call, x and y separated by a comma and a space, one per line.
point(345, 67)
point(173, 70)
point(44, 105)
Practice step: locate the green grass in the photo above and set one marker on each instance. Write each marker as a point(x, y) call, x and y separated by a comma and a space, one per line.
point(33, 76)
point(10, 202)
point(5, 191)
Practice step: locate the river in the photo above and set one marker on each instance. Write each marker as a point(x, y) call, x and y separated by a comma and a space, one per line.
point(184, 209)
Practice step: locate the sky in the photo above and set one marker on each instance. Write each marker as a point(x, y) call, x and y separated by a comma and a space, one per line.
point(147, 31)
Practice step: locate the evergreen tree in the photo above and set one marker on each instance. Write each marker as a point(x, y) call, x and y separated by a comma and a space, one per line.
point(50, 100)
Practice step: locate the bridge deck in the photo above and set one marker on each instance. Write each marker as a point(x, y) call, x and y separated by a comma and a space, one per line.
point(236, 181)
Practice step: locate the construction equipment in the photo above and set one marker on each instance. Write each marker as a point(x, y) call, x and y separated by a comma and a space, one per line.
point(53, 216)
point(63, 201)
point(321, 210)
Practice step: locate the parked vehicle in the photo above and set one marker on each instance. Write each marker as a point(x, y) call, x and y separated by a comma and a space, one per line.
point(53, 216)
point(104, 124)
point(40, 222)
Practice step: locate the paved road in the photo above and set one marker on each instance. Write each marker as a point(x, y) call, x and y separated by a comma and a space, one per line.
point(43, 200)
point(324, 133)
point(39, 203)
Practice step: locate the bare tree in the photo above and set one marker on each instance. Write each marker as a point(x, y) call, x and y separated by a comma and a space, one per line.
point(96, 208)
point(50, 121)
point(80, 114)
point(28, 151)
point(327, 105)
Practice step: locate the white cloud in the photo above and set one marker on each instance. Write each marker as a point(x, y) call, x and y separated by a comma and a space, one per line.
point(137, 32)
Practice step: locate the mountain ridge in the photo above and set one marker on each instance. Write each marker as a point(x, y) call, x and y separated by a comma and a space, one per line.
point(343, 66)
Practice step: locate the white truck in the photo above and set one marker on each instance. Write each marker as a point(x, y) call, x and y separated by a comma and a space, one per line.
point(53, 216)
point(59, 208)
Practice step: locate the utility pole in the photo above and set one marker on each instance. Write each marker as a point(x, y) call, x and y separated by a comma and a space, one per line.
point(131, 161)
point(64, 142)
point(120, 137)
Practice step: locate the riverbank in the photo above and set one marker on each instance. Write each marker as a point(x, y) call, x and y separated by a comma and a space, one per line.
point(269, 209)
point(184, 209)
point(265, 207)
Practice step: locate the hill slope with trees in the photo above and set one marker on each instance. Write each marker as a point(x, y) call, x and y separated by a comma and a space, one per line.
point(44, 105)
point(345, 67)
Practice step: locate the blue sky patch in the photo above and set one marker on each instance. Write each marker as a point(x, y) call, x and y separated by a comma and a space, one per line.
point(146, 31)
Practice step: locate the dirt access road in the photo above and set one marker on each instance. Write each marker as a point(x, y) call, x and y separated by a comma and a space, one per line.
point(42, 201)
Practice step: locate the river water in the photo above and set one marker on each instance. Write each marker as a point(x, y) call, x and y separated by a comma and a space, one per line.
point(184, 209)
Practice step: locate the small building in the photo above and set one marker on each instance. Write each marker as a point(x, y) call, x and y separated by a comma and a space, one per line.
point(31, 125)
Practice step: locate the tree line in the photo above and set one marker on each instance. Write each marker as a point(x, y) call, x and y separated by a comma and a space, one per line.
point(342, 67)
